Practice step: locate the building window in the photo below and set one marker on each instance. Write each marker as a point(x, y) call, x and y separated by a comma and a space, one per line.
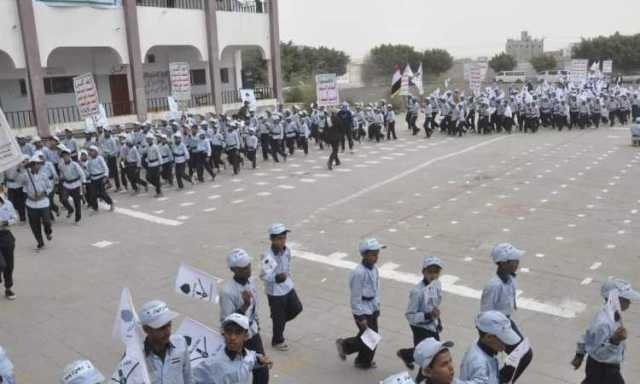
point(23, 87)
point(198, 77)
point(58, 85)
point(151, 58)
point(224, 75)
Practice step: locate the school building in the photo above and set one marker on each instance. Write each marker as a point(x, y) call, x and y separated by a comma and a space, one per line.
point(127, 45)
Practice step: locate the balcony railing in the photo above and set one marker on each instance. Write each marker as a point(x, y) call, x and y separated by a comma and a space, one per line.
point(21, 119)
point(59, 115)
point(183, 4)
point(232, 96)
point(159, 104)
point(247, 6)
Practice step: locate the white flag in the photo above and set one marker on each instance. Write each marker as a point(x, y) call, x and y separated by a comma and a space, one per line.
point(10, 153)
point(132, 368)
point(268, 264)
point(417, 80)
point(407, 76)
point(126, 327)
point(203, 342)
point(371, 338)
point(196, 284)
point(446, 83)
point(400, 378)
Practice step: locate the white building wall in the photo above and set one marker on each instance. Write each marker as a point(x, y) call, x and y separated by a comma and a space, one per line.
point(80, 27)
point(248, 29)
point(10, 33)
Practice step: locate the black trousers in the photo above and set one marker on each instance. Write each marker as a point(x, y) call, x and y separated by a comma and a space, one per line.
point(260, 374)
point(18, 198)
point(112, 164)
point(234, 159)
point(419, 334)
point(167, 172)
point(600, 373)
point(283, 309)
point(77, 201)
point(291, 144)
point(507, 372)
point(391, 130)
point(123, 176)
point(153, 178)
point(251, 155)
point(7, 246)
point(217, 156)
point(303, 143)
point(96, 191)
point(333, 157)
point(354, 344)
point(180, 174)
point(276, 148)
point(39, 218)
point(265, 140)
point(133, 173)
point(348, 135)
point(202, 165)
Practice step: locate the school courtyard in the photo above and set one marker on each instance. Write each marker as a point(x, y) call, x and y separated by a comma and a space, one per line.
point(570, 199)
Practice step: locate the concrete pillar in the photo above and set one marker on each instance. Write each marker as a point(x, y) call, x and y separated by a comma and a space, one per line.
point(270, 73)
point(135, 57)
point(274, 29)
point(237, 65)
point(34, 65)
point(211, 20)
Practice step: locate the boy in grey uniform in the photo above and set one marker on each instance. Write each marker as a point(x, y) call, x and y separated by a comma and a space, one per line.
point(364, 282)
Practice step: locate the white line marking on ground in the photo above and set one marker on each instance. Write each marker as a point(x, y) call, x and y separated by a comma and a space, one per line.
point(207, 210)
point(183, 217)
point(595, 266)
point(213, 197)
point(586, 281)
point(143, 216)
point(412, 171)
point(611, 246)
point(286, 187)
point(540, 255)
point(239, 201)
point(102, 244)
point(263, 194)
point(567, 309)
point(187, 204)
point(159, 212)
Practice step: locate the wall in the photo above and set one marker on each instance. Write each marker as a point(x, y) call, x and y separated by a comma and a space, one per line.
point(249, 29)
point(10, 33)
point(80, 27)
point(170, 27)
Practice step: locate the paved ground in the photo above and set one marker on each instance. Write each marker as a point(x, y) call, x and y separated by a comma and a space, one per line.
point(570, 199)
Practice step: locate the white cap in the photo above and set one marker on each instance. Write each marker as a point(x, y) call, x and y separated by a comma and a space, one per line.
point(624, 289)
point(6, 367)
point(497, 324)
point(26, 158)
point(429, 261)
point(63, 148)
point(428, 349)
point(277, 229)
point(238, 258)
point(81, 372)
point(93, 148)
point(149, 135)
point(156, 314)
point(36, 159)
point(370, 245)
point(506, 252)
point(241, 320)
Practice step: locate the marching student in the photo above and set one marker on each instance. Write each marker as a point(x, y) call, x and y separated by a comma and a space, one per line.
point(240, 295)
point(7, 246)
point(98, 172)
point(7, 375)
point(167, 355)
point(251, 144)
point(153, 159)
point(73, 177)
point(500, 295)
point(234, 363)
point(71, 143)
point(15, 194)
point(391, 123)
point(435, 362)
point(181, 157)
point(364, 283)
point(110, 150)
point(283, 299)
point(36, 185)
point(423, 311)
point(166, 162)
point(133, 162)
point(480, 364)
point(604, 340)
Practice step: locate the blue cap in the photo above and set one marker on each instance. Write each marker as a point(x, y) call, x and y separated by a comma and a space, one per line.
point(428, 349)
point(277, 229)
point(431, 261)
point(370, 245)
point(497, 324)
point(624, 289)
point(506, 252)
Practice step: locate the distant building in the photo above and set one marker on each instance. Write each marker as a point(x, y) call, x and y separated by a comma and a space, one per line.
point(353, 77)
point(525, 48)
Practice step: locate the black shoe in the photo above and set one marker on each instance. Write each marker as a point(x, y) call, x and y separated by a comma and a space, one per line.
point(69, 214)
point(330, 165)
point(409, 364)
point(365, 365)
point(49, 237)
point(40, 245)
point(9, 294)
point(340, 348)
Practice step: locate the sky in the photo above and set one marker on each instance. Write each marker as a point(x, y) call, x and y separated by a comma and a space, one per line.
point(466, 28)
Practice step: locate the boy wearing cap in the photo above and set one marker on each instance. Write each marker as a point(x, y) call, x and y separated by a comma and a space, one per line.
point(283, 299)
point(167, 355)
point(480, 364)
point(72, 177)
point(110, 151)
point(98, 172)
point(36, 185)
point(7, 375)
point(500, 295)
point(167, 159)
point(181, 157)
point(251, 144)
point(364, 283)
point(239, 295)
point(604, 340)
point(81, 372)
point(70, 143)
point(15, 194)
point(435, 361)
point(234, 363)
point(153, 159)
point(423, 311)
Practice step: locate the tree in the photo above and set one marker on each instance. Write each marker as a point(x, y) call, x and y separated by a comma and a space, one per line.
point(543, 63)
point(384, 59)
point(254, 68)
point(303, 62)
point(624, 50)
point(502, 62)
point(436, 61)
